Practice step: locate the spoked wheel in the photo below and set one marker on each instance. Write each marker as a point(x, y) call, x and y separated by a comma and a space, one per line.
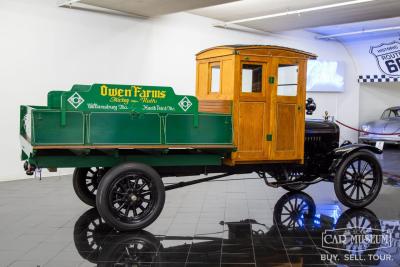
point(132, 249)
point(130, 196)
point(356, 225)
point(86, 182)
point(293, 210)
point(90, 231)
point(358, 179)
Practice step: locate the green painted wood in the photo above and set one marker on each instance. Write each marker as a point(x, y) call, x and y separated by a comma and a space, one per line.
point(124, 128)
point(76, 161)
point(47, 129)
point(212, 129)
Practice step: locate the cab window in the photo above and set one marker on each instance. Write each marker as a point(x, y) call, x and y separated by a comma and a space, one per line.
point(287, 79)
point(215, 78)
point(252, 78)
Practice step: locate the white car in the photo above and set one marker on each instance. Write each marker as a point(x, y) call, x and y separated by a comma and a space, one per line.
point(380, 130)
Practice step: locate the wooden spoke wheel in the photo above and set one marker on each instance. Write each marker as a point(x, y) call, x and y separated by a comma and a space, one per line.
point(356, 225)
point(130, 196)
point(293, 210)
point(358, 179)
point(86, 182)
point(132, 249)
point(89, 232)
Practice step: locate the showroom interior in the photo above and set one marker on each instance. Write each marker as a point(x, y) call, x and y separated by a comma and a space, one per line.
point(255, 176)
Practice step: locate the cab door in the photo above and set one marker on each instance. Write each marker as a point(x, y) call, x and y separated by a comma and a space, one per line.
point(252, 111)
point(287, 110)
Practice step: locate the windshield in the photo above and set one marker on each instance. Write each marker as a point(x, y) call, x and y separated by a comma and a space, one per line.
point(391, 113)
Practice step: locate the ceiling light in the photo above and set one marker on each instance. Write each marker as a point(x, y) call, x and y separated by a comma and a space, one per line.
point(359, 32)
point(299, 11)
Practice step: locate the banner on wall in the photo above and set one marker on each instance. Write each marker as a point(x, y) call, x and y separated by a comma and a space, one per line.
point(387, 56)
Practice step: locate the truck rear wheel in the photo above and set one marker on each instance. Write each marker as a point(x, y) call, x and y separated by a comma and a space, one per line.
point(130, 196)
point(85, 182)
point(358, 179)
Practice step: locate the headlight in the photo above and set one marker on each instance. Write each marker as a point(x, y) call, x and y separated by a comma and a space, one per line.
point(365, 128)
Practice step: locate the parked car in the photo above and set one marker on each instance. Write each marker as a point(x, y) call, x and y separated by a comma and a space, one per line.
point(381, 130)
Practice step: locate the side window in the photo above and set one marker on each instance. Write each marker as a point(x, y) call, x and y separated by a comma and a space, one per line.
point(392, 114)
point(252, 78)
point(215, 78)
point(385, 114)
point(287, 79)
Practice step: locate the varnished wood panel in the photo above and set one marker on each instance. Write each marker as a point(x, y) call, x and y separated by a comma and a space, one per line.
point(251, 130)
point(216, 106)
point(285, 127)
point(281, 116)
point(202, 79)
point(227, 84)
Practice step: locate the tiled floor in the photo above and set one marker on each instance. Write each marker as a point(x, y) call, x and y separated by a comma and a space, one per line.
point(239, 222)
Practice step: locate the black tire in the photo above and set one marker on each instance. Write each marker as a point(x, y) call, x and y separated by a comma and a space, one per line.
point(131, 249)
point(90, 231)
point(352, 177)
point(85, 182)
point(130, 196)
point(352, 222)
point(293, 210)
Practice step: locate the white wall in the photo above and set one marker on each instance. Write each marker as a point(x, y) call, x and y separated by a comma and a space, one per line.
point(43, 47)
point(374, 97)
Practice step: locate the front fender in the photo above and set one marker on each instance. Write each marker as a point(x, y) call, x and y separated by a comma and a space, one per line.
point(340, 153)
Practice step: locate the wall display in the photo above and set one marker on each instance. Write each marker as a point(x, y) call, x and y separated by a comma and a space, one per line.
point(387, 56)
point(325, 76)
point(248, 116)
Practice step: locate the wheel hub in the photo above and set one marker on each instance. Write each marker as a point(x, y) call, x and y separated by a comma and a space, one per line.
point(133, 197)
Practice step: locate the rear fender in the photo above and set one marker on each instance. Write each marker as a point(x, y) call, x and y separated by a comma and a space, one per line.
point(341, 153)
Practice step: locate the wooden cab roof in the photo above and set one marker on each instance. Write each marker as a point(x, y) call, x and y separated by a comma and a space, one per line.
point(263, 50)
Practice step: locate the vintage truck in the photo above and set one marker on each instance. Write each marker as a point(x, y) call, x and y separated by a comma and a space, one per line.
point(248, 116)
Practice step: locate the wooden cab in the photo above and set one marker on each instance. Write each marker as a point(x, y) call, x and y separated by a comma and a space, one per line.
point(265, 87)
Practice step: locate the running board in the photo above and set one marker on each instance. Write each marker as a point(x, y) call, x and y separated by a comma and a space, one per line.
point(280, 183)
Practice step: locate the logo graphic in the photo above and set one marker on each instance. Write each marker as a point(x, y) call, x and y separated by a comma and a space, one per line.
point(388, 57)
point(75, 100)
point(356, 239)
point(185, 103)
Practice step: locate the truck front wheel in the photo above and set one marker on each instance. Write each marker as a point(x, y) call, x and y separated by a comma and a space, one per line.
point(358, 179)
point(130, 196)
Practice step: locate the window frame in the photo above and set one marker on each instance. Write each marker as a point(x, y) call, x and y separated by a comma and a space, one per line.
point(210, 66)
point(263, 79)
point(288, 63)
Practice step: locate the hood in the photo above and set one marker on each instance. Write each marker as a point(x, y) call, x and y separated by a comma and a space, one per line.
point(384, 126)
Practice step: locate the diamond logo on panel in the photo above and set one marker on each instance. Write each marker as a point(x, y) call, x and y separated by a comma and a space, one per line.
point(185, 104)
point(75, 100)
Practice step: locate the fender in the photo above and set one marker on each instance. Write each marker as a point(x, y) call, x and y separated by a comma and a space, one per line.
point(340, 153)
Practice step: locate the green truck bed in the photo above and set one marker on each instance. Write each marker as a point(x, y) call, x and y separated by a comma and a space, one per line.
point(106, 116)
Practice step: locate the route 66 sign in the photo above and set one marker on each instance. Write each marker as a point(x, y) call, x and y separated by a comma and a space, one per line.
point(388, 57)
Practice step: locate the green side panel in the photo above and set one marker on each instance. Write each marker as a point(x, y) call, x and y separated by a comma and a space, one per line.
point(80, 87)
point(54, 99)
point(124, 128)
point(110, 161)
point(47, 129)
point(212, 129)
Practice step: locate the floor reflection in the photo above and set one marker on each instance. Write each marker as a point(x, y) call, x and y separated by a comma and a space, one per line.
point(296, 235)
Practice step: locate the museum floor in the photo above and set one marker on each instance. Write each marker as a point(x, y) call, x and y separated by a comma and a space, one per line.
point(236, 222)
